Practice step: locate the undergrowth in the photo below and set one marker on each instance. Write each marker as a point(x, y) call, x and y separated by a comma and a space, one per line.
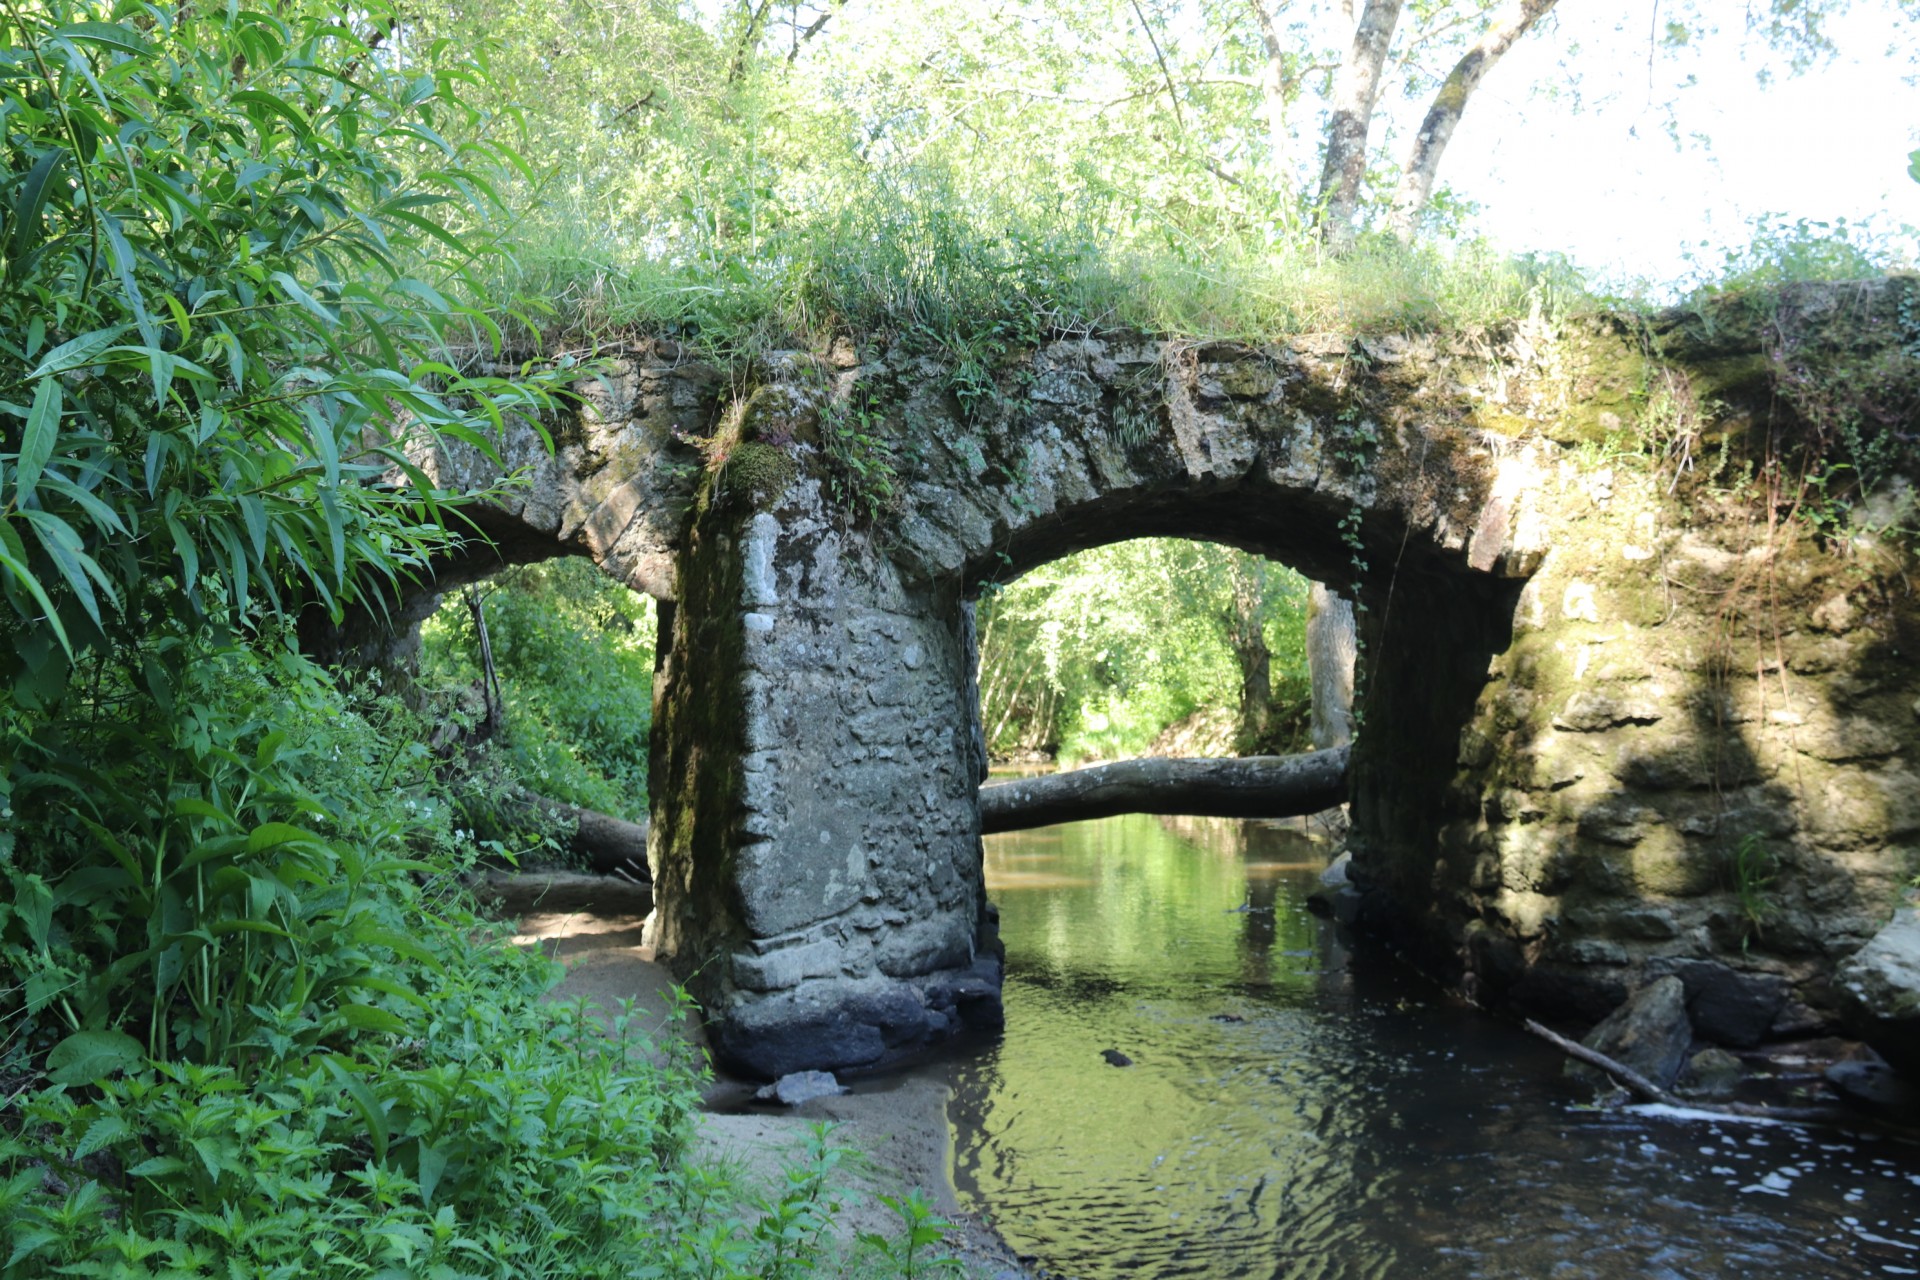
point(266, 1035)
point(573, 654)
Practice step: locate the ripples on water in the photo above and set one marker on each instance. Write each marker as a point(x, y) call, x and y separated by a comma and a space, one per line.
point(1299, 1113)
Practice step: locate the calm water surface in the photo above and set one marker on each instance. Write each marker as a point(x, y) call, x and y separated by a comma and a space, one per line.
point(1293, 1112)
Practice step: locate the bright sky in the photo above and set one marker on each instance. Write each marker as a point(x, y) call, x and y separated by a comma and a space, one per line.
point(1607, 186)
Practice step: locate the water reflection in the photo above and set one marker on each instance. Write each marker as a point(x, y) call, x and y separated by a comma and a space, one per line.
point(1294, 1111)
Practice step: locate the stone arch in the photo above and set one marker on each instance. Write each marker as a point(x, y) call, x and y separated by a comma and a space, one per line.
point(611, 479)
point(816, 834)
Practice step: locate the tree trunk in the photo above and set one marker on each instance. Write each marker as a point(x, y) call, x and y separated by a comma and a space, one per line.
point(1248, 787)
point(608, 845)
point(1332, 647)
point(1352, 121)
point(1443, 116)
point(1276, 92)
point(1246, 635)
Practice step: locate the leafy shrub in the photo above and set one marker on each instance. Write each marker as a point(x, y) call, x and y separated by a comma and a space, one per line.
point(574, 653)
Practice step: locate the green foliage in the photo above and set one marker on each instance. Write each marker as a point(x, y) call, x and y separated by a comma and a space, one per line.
point(574, 654)
point(249, 1025)
point(228, 256)
point(862, 470)
point(921, 1229)
point(1782, 252)
point(1093, 655)
point(490, 1135)
point(959, 180)
point(183, 880)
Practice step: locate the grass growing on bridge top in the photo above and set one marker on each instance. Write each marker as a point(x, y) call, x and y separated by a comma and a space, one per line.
point(964, 285)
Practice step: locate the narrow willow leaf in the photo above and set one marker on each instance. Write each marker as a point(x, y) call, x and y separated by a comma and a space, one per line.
point(336, 535)
point(36, 443)
point(108, 34)
point(79, 352)
point(189, 554)
point(103, 516)
point(305, 299)
point(124, 262)
point(13, 560)
point(270, 105)
point(64, 548)
point(33, 200)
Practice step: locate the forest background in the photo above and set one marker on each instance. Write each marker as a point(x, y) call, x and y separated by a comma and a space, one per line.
point(248, 1019)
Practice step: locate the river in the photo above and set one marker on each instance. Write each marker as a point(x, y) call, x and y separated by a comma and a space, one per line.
point(1297, 1111)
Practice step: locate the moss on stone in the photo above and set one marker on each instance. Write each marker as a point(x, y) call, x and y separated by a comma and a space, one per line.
point(756, 474)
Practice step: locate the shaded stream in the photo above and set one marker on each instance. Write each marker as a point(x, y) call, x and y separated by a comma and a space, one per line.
point(1296, 1111)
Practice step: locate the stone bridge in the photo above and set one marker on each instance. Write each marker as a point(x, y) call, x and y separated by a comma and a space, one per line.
point(1618, 715)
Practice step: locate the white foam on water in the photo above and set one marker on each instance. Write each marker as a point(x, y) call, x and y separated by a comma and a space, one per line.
point(1668, 1111)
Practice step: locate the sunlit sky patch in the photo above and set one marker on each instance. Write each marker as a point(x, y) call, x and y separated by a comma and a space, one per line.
point(1607, 185)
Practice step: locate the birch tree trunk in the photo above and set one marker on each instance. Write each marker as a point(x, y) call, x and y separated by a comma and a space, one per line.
point(1332, 647)
point(1450, 102)
point(1357, 90)
point(1275, 91)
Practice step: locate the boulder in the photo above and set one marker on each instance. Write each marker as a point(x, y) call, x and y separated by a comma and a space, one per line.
point(1712, 1073)
point(1726, 1006)
point(1649, 1033)
point(1879, 988)
point(801, 1086)
point(1875, 1086)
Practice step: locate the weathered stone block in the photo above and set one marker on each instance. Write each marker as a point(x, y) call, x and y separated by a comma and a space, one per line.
point(926, 946)
point(778, 970)
point(1726, 1006)
point(1592, 711)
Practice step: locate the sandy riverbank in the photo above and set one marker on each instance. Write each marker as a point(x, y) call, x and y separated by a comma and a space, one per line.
point(894, 1130)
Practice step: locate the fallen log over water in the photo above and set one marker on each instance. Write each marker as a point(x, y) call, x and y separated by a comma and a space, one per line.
point(1245, 787)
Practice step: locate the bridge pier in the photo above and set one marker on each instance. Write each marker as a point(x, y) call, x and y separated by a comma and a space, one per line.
point(816, 838)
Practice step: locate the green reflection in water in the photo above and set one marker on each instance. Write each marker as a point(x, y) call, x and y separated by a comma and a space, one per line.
point(1186, 946)
point(1298, 1113)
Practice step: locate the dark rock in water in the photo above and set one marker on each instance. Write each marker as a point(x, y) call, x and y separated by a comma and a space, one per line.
point(802, 1086)
point(1875, 1086)
point(1649, 1033)
point(1712, 1073)
point(1726, 1006)
point(1796, 1021)
point(1115, 1058)
point(1339, 902)
point(1879, 991)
